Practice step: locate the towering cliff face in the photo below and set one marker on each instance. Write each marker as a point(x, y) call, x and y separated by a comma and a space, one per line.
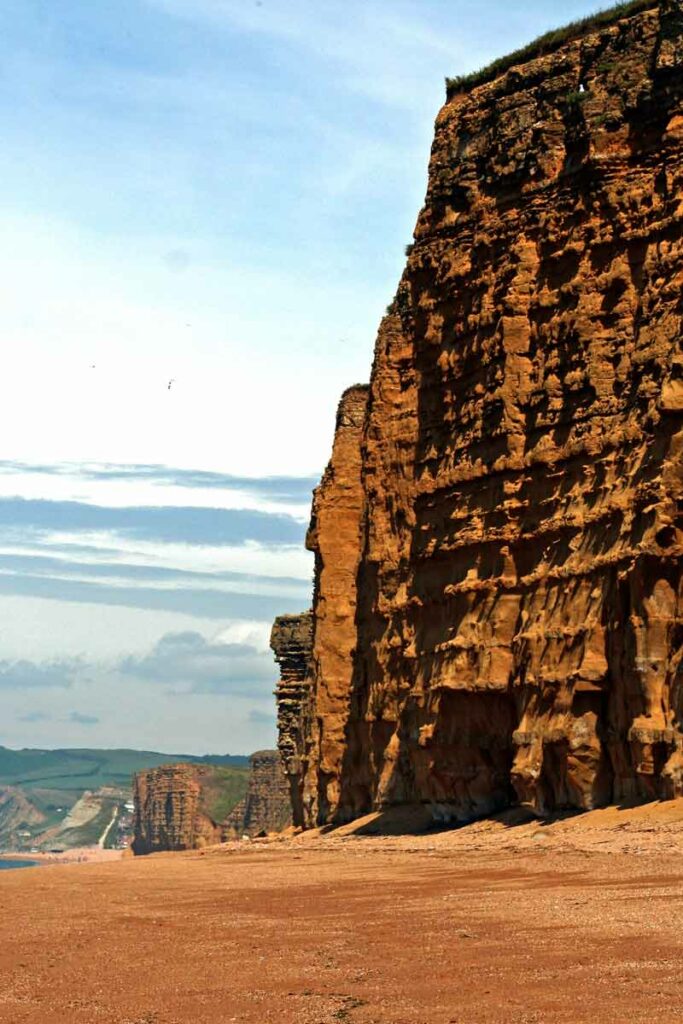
point(266, 806)
point(316, 650)
point(497, 609)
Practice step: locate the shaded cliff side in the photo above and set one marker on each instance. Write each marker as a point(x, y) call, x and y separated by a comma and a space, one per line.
point(266, 806)
point(292, 643)
point(498, 537)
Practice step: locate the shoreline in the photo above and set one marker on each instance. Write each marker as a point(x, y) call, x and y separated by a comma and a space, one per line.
point(79, 855)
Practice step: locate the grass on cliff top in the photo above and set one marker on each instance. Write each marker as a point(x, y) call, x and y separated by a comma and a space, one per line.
point(546, 44)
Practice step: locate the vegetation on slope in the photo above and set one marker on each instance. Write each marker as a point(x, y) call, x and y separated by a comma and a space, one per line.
point(89, 769)
point(41, 790)
point(61, 799)
point(222, 791)
point(546, 44)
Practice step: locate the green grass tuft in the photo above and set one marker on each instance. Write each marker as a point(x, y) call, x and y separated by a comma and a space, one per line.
point(547, 43)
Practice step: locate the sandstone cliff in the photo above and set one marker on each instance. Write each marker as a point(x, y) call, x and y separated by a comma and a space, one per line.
point(292, 642)
point(498, 537)
point(266, 806)
point(183, 806)
point(335, 536)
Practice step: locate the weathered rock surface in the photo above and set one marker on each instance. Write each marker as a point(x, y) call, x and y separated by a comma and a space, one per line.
point(186, 806)
point(292, 643)
point(335, 537)
point(168, 813)
point(498, 538)
point(266, 806)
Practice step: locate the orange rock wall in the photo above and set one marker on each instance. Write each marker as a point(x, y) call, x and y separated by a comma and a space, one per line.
point(508, 627)
point(335, 537)
point(168, 809)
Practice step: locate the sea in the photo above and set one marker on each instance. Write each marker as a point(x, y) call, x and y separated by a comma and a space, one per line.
point(7, 864)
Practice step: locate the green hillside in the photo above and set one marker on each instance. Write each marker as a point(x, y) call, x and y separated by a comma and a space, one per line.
point(79, 769)
point(62, 799)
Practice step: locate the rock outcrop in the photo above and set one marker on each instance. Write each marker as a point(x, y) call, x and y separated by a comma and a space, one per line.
point(292, 643)
point(183, 806)
point(266, 806)
point(335, 537)
point(186, 806)
point(498, 537)
point(167, 810)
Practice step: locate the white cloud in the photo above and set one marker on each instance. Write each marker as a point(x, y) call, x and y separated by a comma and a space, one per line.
point(190, 663)
point(104, 633)
point(251, 557)
point(72, 482)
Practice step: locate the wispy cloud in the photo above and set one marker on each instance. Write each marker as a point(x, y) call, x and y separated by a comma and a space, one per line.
point(201, 603)
point(116, 573)
point(34, 717)
point(184, 525)
point(199, 665)
point(358, 46)
point(78, 718)
point(25, 674)
point(282, 489)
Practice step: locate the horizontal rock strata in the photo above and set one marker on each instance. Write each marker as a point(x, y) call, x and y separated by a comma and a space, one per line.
point(292, 643)
point(498, 537)
point(170, 811)
point(266, 807)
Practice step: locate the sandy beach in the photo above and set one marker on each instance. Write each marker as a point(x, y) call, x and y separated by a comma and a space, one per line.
point(496, 923)
point(79, 855)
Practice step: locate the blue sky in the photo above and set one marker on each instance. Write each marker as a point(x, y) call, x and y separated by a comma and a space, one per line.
point(212, 195)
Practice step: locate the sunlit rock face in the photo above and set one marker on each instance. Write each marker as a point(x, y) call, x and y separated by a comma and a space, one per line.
point(498, 538)
point(172, 808)
point(189, 806)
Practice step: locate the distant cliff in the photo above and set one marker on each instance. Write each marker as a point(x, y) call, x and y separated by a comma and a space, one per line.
point(498, 593)
point(187, 806)
point(266, 806)
point(292, 643)
point(183, 806)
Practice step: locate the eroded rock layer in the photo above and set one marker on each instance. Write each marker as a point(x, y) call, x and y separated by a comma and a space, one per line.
point(292, 643)
point(497, 610)
point(335, 537)
point(266, 806)
point(171, 810)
